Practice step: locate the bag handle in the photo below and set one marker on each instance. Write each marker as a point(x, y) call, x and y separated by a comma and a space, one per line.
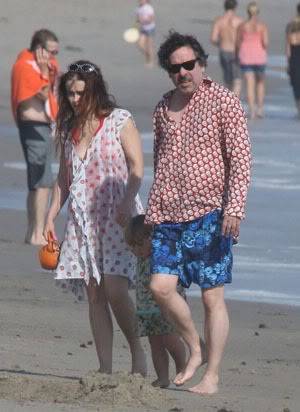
point(53, 245)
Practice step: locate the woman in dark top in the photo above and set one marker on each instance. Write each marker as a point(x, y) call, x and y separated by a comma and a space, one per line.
point(293, 55)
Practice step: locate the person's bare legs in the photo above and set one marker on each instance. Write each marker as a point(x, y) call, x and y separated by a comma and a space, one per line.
point(237, 87)
point(116, 290)
point(250, 87)
point(30, 215)
point(164, 292)
point(216, 328)
point(160, 359)
point(146, 46)
point(260, 92)
point(142, 43)
point(37, 203)
point(175, 346)
point(149, 51)
point(101, 324)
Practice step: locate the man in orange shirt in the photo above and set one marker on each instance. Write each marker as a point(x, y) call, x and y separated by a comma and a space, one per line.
point(34, 107)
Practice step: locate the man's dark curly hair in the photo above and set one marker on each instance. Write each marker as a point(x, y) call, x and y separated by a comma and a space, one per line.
point(176, 40)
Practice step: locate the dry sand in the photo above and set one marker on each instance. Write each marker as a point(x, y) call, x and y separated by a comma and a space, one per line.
point(47, 359)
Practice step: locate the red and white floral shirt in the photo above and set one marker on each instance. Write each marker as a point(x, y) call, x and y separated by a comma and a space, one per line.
point(203, 163)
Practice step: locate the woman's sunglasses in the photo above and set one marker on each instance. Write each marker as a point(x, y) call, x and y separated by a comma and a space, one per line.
point(82, 68)
point(188, 65)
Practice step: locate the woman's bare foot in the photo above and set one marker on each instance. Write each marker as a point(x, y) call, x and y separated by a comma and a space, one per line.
point(139, 364)
point(260, 113)
point(158, 383)
point(35, 241)
point(207, 386)
point(192, 365)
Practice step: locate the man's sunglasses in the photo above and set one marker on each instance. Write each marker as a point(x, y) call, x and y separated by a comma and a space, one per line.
point(82, 68)
point(188, 65)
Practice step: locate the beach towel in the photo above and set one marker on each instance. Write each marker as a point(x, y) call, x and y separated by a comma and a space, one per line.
point(27, 81)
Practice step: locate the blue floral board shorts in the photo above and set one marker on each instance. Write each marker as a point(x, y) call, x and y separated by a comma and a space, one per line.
point(195, 251)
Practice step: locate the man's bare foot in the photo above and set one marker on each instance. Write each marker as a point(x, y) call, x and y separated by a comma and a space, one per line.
point(160, 383)
point(207, 386)
point(139, 364)
point(192, 365)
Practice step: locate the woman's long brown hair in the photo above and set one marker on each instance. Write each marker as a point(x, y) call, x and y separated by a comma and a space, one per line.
point(95, 101)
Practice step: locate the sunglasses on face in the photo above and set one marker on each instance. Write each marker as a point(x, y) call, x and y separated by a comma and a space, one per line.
point(188, 65)
point(82, 68)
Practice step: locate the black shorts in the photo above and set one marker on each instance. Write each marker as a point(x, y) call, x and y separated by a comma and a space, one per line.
point(37, 145)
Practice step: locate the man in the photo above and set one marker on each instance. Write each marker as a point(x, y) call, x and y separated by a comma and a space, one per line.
point(223, 35)
point(34, 107)
point(197, 200)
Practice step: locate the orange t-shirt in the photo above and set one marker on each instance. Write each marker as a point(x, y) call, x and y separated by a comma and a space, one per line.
point(27, 81)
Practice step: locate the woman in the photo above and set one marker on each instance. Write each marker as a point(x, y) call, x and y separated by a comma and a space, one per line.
point(293, 56)
point(101, 168)
point(252, 44)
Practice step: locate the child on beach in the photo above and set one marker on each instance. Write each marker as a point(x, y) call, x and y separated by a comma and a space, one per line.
point(162, 336)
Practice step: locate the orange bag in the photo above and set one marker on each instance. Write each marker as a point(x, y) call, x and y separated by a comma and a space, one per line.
point(49, 254)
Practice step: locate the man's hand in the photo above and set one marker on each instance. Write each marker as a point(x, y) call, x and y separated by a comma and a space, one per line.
point(231, 226)
point(42, 59)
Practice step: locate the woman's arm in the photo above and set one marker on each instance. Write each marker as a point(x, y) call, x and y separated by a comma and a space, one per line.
point(265, 36)
point(132, 146)
point(238, 39)
point(60, 194)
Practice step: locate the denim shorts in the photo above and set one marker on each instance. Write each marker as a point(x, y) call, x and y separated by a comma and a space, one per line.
point(195, 251)
point(255, 68)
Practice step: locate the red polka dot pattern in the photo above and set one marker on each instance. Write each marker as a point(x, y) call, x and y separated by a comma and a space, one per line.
point(203, 163)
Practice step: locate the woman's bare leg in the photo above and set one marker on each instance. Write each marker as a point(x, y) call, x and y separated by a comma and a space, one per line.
point(250, 86)
point(260, 91)
point(116, 290)
point(101, 324)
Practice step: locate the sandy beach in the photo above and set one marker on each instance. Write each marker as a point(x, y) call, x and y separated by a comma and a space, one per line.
point(46, 347)
point(48, 360)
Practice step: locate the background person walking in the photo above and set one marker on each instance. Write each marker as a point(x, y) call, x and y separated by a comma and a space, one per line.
point(293, 56)
point(146, 21)
point(223, 35)
point(252, 44)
